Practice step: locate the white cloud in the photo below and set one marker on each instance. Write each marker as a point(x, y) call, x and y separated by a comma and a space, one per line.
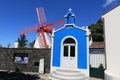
point(108, 2)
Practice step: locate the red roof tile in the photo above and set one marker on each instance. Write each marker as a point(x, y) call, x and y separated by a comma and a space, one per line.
point(97, 45)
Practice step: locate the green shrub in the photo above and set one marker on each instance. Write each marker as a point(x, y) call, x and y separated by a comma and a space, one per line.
point(101, 66)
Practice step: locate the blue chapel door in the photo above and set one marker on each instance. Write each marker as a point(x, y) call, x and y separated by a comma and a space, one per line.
point(68, 57)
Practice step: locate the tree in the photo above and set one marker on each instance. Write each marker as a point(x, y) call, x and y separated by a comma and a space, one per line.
point(22, 41)
point(0, 46)
point(9, 45)
point(31, 44)
point(97, 31)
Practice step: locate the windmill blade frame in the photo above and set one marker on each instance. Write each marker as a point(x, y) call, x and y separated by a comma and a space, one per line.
point(41, 15)
point(43, 30)
point(30, 29)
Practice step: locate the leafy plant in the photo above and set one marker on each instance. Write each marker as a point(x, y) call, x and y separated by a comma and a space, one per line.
point(101, 66)
point(8, 46)
point(31, 44)
point(0, 46)
point(97, 31)
point(22, 41)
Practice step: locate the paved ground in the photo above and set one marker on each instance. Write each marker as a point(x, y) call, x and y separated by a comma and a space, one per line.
point(26, 76)
point(44, 77)
point(95, 79)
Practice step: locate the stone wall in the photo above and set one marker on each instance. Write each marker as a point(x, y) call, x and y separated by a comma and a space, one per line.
point(34, 55)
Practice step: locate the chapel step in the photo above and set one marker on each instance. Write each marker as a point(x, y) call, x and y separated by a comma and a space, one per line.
point(68, 72)
point(54, 77)
point(61, 74)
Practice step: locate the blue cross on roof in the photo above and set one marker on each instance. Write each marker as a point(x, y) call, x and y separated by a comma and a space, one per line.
point(70, 17)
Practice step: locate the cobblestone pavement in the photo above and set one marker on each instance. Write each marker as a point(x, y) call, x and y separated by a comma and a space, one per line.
point(44, 77)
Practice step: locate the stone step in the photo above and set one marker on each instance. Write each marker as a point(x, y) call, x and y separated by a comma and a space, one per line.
point(53, 77)
point(65, 76)
point(62, 74)
point(62, 78)
point(68, 72)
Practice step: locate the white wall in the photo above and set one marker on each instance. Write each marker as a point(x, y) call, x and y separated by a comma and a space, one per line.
point(39, 41)
point(96, 60)
point(16, 43)
point(112, 41)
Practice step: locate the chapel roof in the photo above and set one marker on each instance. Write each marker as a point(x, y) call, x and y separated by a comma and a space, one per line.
point(97, 45)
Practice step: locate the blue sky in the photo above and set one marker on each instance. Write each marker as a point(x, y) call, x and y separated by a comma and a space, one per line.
point(16, 15)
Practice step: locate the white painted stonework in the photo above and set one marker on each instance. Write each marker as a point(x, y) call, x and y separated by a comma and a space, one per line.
point(112, 43)
point(63, 74)
point(39, 41)
point(16, 43)
point(41, 66)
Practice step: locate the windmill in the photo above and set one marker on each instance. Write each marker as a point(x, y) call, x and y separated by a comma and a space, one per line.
point(44, 31)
